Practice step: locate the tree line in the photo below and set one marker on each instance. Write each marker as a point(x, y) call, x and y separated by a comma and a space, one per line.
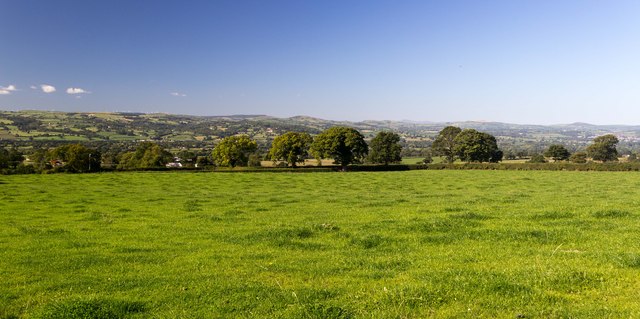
point(344, 145)
point(469, 145)
point(602, 149)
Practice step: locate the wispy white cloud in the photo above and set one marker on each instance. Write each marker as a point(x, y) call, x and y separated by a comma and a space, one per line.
point(33, 87)
point(77, 91)
point(178, 94)
point(6, 90)
point(46, 88)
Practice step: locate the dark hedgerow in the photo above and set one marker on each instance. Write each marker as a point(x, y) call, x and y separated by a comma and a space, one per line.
point(564, 166)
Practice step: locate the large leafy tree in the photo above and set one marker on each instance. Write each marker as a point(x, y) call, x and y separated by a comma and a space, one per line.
point(10, 158)
point(234, 151)
point(76, 158)
point(604, 148)
point(557, 152)
point(385, 148)
point(146, 155)
point(445, 142)
point(4, 158)
point(473, 146)
point(291, 147)
point(344, 145)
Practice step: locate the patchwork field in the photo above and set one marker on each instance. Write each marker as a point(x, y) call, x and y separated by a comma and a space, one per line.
point(415, 244)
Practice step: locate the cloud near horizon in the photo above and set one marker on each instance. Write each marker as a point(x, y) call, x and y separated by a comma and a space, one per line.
point(178, 94)
point(46, 88)
point(77, 91)
point(6, 90)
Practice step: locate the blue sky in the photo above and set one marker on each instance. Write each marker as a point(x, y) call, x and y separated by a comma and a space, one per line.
point(535, 62)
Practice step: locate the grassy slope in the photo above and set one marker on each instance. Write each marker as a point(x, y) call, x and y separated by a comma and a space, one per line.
point(321, 245)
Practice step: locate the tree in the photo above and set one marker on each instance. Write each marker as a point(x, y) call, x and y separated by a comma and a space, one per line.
point(510, 155)
point(427, 158)
point(4, 158)
point(188, 157)
point(557, 152)
point(234, 151)
point(291, 147)
point(15, 158)
point(497, 154)
point(76, 158)
point(578, 157)
point(204, 161)
point(254, 160)
point(344, 145)
point(39, 159)
point(444, 144)
point(146, 155)
point(473, 146)
point(604, 148)
point(385, 148)
point(10, 158)
point(538, 158)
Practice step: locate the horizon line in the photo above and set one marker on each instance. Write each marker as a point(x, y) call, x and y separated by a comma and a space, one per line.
point(320, 118)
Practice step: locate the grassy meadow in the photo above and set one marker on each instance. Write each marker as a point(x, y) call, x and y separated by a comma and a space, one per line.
point(414, 244)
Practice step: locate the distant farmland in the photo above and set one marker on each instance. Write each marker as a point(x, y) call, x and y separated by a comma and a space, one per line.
point(37, 128)
point(416, 244)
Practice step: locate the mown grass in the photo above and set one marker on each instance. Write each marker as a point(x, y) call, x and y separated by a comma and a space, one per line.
point(415, 244)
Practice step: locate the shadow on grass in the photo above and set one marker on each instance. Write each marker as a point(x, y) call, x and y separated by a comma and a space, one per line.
point(612, 213)
point(92, 308)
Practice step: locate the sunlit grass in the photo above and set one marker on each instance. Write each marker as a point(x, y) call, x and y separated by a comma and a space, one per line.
point(444, 244)
point(418, 160)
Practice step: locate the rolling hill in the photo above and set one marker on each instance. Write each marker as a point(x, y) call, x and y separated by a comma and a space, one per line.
point(28, 127)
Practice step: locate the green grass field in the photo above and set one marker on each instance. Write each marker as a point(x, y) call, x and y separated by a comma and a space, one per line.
point(414, 244)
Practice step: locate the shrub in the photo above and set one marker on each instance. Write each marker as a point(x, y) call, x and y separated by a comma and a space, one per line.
point(579, 157)
point(254, 160)
point(538, 158)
